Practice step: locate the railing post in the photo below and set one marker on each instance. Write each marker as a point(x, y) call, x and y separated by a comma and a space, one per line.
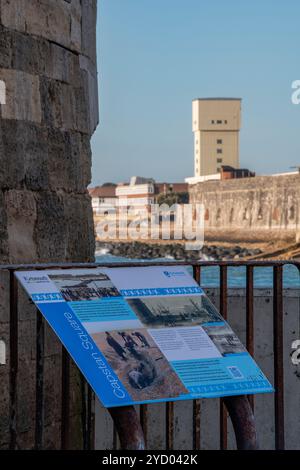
point(65, 402)
point(250, 318)
point(238, 407)
point(278, 357)
point(243, 422)
point(40, 350)
point(223, 311)
point(128, 427)
point(14, 359)
point(197, 403)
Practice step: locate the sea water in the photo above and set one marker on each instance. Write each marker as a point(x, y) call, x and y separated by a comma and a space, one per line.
point(210, 276)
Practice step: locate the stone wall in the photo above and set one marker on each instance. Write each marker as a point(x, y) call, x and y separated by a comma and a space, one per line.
point(48, 64)
point(263, 208)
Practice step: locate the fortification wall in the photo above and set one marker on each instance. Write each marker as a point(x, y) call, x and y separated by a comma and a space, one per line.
point(263, 208)
point(48, 65)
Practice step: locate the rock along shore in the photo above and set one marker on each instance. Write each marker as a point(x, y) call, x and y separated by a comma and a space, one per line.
point(139, 250)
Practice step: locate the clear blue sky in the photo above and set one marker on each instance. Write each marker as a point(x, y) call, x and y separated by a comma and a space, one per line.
point(155, 56)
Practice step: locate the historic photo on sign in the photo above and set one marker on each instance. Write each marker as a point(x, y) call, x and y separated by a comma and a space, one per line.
point(76, 287)
point(174, 311)
point(225, 340)
point(139, 364)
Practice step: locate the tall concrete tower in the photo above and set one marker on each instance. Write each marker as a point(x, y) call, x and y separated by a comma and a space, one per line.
point(216, 126)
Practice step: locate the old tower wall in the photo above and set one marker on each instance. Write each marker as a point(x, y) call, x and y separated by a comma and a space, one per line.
point(48, 67)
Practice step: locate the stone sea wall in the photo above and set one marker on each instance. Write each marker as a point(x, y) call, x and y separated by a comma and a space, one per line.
point(263, 208)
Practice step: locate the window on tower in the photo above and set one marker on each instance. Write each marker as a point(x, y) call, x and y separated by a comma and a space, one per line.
point(219, 151)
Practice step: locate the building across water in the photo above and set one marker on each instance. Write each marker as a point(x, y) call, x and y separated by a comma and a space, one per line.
point(140, 192)
point(216, 126)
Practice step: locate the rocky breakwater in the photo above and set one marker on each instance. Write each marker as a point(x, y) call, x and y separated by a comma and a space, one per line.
point(177, 251)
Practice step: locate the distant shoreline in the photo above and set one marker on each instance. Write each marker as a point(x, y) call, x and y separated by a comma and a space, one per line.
point(175, 250)
point(217, 250)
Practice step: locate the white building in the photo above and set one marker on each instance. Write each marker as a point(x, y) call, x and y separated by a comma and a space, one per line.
point(103, 198)
point(139, 193)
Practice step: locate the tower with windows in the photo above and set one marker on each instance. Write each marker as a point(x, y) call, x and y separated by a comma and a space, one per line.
point(216, 126)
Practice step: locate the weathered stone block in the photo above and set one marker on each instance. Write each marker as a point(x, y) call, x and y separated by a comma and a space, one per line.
point(57, 21)
point(78, 217)
point(26, 400)
point(24, 158)
point(64, 106)
point(75, 390)
point(5, 48)
point(52, 390)
point(65, 219)
point(51, 436)
point(3, 231)
point(21, 218)
point(45, 158)
point(82, 110)
point(27, 341)
point(88, 24)
point(50, 225)
point(22, 96)
point(61, 64)
point(4, 297)
point(53, 346)
point(81, 154)
point(91, 91)
point(27, 311)
point(68, 163)
point(39, 49)
point(12, 147)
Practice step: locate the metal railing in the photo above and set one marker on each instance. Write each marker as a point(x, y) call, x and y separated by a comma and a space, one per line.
point(135, 438)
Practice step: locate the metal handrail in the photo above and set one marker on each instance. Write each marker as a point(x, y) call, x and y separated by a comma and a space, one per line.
point(201, 263)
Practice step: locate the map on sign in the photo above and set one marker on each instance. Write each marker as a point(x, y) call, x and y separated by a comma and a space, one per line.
point(144, 334)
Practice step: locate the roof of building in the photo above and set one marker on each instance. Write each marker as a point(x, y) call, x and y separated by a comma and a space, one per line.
point(103, 191)
point(176, 187)
point(232, 169)
point(140, 180)
point(217, 99)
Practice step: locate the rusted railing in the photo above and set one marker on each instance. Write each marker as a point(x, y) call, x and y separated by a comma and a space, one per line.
point(128, 425)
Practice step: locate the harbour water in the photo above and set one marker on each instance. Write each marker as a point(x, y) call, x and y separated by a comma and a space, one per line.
point(263, 277)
